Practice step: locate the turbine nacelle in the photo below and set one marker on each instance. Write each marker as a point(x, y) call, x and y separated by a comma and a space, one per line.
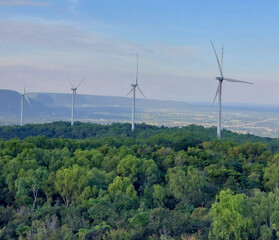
point(74, 88)
point(134, 85)
point(220, 78)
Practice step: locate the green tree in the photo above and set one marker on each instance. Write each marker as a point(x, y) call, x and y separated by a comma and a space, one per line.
point(159, 195)
point(129, 167)
point(70, 182)
point(229, 221)
point(264, 212)
point(186, 186)
point(118, 234)
point(122, 185)
point(271, 173)
point(31, 181)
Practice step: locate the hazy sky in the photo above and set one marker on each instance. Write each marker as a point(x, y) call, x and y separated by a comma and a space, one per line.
point(43, 43)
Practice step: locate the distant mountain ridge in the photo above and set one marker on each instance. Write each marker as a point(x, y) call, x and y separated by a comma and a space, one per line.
point(64, 99)
point(48, 107)
point(10, 102)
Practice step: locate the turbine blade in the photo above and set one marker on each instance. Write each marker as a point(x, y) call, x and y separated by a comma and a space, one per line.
point(234, 80)
point(70, 83)
point(222, 60)
point(27, 99)
point(215, 95)
point(81, 82)
point(137, 69)
point(141, 92)
point(220, 68)
point(129, 92)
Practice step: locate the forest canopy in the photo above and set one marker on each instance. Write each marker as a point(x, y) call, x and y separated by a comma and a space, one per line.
point(95, 181)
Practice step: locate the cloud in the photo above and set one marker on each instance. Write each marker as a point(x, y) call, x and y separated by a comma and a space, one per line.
point(70, 40)
point(64, 38)
point(23, 3)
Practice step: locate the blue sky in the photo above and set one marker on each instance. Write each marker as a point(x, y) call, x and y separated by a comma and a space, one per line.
point(44, 43)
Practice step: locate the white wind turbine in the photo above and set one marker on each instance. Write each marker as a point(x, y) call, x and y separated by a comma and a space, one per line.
point(23, 96)
point(74, 89)
point(134, 86)
point(219, 89)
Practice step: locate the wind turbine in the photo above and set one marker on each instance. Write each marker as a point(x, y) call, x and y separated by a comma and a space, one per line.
point(134, 87)
point(74, 89)
point(219, 88)
point(23, 96)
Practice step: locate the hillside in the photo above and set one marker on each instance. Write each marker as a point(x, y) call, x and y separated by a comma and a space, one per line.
point(10, 102)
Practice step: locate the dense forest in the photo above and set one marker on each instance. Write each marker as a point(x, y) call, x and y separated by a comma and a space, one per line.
point(93, 181)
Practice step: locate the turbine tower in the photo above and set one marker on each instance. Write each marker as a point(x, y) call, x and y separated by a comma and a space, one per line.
point(74, 89)
point(219, 88)
point(134, 87)
point(23, 96)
